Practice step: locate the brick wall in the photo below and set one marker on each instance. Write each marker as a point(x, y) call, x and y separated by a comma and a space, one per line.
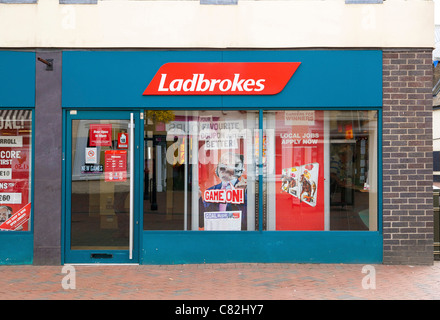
point(407, 157)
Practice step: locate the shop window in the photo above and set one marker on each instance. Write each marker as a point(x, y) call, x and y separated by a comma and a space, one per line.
point(363, 1)
point(436, 165)
point(18, 1)
point(15, 169)
point(217, 2)
point(321, 170)
point(78, 1)
point(200, 170)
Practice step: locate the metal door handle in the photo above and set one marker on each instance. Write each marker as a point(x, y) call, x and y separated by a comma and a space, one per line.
point(131, 144)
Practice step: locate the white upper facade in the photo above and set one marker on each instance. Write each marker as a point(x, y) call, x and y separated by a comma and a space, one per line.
point(436, 52)
point(190, 24)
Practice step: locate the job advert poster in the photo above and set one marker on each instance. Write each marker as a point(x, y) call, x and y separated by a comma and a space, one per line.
point(299, 170)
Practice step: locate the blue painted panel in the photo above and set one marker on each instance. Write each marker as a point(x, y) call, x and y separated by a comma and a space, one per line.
point(17, 89)
point(330, 78)
point(16, 247)
point(261, 247)
point(117, 79)
point(17, 79)
point(325, 78)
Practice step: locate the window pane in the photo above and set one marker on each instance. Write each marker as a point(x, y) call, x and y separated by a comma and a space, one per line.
point(321, 170)
point(78, 1)
point(100, 186)
point(200, 171)
point(15, 169)
point(18, 1)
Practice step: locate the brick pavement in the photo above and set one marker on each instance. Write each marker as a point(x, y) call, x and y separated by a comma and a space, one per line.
point(221, 282)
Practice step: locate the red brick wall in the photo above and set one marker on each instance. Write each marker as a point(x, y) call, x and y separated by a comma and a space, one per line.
point(407, 157)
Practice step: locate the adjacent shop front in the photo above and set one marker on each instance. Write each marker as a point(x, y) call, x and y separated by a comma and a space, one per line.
point(222, 156)
point(17, 105)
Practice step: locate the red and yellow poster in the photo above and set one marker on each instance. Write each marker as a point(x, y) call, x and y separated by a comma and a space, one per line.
point(299, 170)
point(15, 159)
point(222, 175)
point(18, 220)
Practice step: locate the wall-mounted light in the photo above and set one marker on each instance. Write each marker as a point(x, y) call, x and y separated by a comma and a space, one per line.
point(47, 62)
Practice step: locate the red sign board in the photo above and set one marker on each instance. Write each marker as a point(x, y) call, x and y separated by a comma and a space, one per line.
point(115, 165)
point(123, 140)
point(221, 78)
point(100, 135)
point(18, 219)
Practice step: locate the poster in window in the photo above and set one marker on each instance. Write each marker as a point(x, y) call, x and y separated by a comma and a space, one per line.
point(100, 134)
point(299, 170)
point(15, 166)
point(222, 174)
point(123, 140)
point(115, 165)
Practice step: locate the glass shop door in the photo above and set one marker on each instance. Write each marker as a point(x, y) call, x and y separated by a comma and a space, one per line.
point(102, 223)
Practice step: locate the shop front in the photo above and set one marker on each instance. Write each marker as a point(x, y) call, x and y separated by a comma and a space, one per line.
point(17, 103)
point(222, 156)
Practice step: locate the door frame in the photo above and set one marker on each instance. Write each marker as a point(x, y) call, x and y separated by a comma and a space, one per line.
point(117, 256)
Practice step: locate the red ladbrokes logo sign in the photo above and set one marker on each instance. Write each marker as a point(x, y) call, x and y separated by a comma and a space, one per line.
point(221, 78)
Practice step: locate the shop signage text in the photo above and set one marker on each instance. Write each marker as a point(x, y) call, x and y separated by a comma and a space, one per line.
point(221, 78)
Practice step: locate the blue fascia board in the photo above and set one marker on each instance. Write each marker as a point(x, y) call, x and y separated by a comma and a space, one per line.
point(17, 79)
point(185, 247)
point(325, 78)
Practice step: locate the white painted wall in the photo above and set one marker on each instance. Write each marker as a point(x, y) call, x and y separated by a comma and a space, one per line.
point(437, 12)
point(249, 24)
point(436, 52)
